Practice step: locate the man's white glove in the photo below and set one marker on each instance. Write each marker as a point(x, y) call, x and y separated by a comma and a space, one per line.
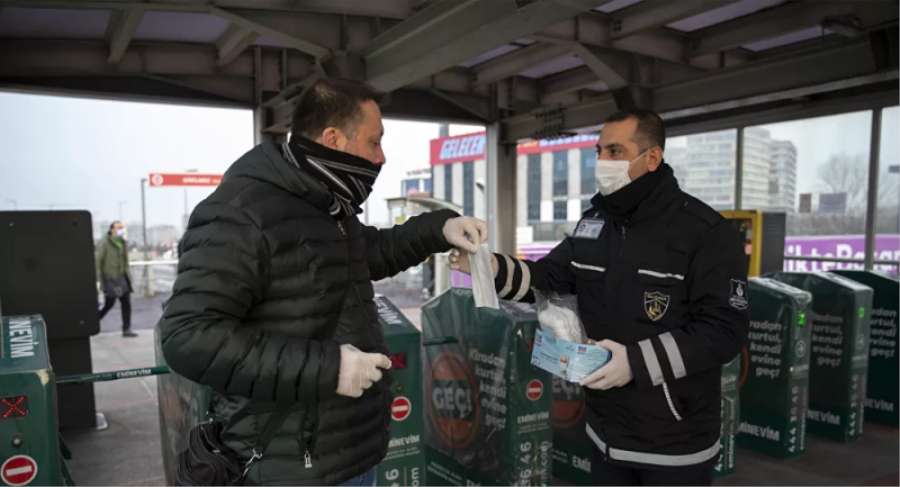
point(616, 372)
point(359, 370)
point(466, 233)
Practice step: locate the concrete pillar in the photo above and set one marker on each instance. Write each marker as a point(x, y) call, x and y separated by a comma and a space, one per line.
point(501, 191)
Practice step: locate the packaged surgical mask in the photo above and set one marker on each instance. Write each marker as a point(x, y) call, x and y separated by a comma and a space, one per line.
point(483, 288)
point(560, 345)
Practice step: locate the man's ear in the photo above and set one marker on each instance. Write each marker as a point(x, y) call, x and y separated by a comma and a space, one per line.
point(654, 159)
point(331, 138)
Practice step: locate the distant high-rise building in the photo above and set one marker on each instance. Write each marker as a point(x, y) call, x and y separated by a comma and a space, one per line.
point(707, 166)
point(783, 175)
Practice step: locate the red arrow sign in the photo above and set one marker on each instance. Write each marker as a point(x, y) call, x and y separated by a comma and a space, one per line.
point(401, 408)
point(534, 390)
point(159, 179)
point(18, 470)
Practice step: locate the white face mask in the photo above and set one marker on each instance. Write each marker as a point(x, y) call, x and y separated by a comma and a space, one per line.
point(613, 175)
point(121, 233)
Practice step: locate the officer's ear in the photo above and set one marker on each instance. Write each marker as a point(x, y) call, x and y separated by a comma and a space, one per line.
point(654, 158)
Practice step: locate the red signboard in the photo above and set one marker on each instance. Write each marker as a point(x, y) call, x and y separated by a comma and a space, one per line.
point(470, 147)
point(160, 179)
point(18, 470)
point(534, 390)
point(401, 408)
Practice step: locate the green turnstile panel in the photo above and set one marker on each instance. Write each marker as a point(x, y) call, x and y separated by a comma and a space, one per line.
point(571, 445)
point(29, 445)
point(839, 353)
point(404, 464)
point(488, 418)
point(183, 404)
point(884, 379)
point(726, 464)
point(775, 375)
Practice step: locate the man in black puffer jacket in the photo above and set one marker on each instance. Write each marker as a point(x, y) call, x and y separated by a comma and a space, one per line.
point(272, 306)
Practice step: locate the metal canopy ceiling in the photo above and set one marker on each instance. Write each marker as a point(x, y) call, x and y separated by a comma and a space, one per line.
point(541, 67)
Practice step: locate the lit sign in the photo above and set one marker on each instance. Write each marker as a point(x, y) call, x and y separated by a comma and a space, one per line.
point(14, 407)
point(470, 147)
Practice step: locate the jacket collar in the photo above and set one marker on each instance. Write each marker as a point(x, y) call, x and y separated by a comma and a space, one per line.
point(645, 198)
point(267, 164)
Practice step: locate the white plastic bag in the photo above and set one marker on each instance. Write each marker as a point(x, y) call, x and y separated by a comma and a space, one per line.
point(560, 314)
point(483, 279)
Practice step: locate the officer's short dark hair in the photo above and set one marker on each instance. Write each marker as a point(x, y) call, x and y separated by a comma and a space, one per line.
point(332, 102)
point(650, 132)
point(111, 226)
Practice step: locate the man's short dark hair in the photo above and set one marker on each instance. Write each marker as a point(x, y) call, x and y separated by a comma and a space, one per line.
point(650, 131)
point(332, 102)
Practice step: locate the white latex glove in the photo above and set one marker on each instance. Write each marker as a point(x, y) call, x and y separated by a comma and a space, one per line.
point(616, 372)
point(359, 370)
point(466, 233)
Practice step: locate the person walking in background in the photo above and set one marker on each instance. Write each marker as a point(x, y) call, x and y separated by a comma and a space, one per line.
point(114, 275)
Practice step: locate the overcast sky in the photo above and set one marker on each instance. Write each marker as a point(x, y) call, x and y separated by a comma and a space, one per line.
point(91, 154)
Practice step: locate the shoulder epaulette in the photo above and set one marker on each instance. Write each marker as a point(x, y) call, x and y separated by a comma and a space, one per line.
point(701, 211)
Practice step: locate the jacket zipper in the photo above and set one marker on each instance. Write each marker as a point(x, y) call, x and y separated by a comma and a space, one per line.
point(361, 304)
point(669, 400)
point(353, 286)
point(310, 445)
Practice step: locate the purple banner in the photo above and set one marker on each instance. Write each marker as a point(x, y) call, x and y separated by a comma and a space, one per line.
point(887, 247)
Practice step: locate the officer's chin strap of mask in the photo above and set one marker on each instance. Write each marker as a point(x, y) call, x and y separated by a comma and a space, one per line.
point(613, 175)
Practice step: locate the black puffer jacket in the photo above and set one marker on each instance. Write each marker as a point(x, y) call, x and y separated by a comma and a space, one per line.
point(269, 286)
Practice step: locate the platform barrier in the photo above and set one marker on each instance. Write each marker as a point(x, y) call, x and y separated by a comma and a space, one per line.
point(883, 384)
point(840, 352)
point(488, 413)
point(775, 376)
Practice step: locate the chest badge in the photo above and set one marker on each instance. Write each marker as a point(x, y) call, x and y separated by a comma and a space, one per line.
point(656, 304)
point(589, 228)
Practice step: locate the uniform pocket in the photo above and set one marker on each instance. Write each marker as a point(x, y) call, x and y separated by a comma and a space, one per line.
point(662, 292)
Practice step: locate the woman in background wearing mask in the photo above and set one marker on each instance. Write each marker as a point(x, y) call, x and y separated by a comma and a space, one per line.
point(114, 275)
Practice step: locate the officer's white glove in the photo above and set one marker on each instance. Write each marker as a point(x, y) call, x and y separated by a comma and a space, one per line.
point(466, 233)
point(616, 372)
point(359, 370)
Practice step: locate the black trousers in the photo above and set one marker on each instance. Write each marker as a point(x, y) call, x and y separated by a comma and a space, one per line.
point(605, 473)
point(125, 300)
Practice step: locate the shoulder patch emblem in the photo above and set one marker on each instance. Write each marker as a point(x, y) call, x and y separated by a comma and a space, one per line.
point(655, 305)
point(738, 296)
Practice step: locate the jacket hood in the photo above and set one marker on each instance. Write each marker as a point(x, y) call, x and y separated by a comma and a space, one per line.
point(266, 163)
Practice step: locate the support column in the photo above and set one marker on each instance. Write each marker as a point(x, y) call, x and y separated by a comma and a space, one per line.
point(872, 200)
point(739, 171)
point(260, 122)
point(501, 191)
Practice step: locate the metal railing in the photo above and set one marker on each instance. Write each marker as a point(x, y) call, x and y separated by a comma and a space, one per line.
point(152, 277)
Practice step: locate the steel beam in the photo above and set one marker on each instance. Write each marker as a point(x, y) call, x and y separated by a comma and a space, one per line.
point(572, 80)
point(608, 68)
point(387, 9)
point(301, 45)
point(650, 14)
point(872, 195)
point(120, 30)
point(233, 42)
point(769, 23)
point(511, 64)
point(429, 45)
point(757, 83)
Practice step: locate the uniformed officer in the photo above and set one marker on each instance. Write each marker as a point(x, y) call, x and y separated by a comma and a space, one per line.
point(661, 282)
